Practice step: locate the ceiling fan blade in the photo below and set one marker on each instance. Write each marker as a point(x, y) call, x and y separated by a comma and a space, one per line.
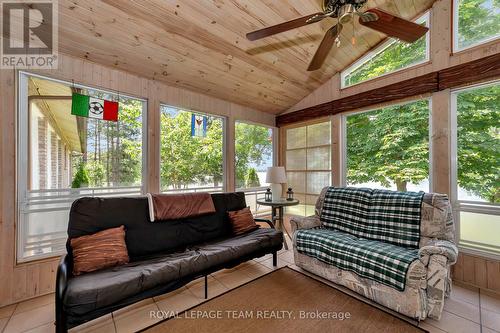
point(325, 47)
point(392, 26)
point(285, 26)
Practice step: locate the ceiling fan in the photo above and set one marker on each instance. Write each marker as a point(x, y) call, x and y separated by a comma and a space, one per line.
point(344, 11)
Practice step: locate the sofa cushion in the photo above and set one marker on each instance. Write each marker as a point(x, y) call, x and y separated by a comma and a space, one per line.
point(242, 221)
point(388, 216)
point(382, 262)
point(143, 238)
point(103, 249)
point(92, 291)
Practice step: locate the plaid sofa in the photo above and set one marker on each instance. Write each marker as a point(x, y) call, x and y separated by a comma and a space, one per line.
point(403, 265)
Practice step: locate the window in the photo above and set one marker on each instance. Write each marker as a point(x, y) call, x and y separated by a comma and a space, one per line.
point(391, 56)
point(477, 155)
point(63, 157)
point(475, 22)
point(191, 151)
point(253, 155)
point(389, 147)
point(308, 164)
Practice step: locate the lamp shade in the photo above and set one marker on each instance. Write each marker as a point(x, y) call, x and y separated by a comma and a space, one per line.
point(276, 175)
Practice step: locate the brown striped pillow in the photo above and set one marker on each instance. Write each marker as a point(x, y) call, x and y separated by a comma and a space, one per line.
point(242, 221)
point(103, 249)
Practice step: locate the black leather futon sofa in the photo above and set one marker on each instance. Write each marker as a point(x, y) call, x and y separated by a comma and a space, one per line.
point(164, 255)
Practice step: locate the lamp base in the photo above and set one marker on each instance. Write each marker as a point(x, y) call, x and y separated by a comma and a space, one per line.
point(276, 189)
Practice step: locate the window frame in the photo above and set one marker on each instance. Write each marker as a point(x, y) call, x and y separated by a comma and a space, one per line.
point(381, 48)
point(455, 42)
point(224, 187)
point(343, 138)
point(458, 205)
point(23, 157)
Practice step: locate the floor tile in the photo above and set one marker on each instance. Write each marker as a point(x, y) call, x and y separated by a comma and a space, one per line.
point(269, 263)
point(256, 271)
point(463, 309)
point(35, 303)
point(430, 328)
point(214, 288)
point(170, 294)
point(47, 328)
point(267, 256)
point(30, 319)
point(487, 330)
point(490, 302)
point(136, 318)
point(469, 295)
point(7, 311)
point(173, 304)
point(490, 319)
point(454, 324)
point(131, 307)
point(3, 322)
point(232, 279)
point(287, 256)
point(102, 324)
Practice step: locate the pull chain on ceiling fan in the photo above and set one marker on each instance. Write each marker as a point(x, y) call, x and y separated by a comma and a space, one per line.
point(344, 11)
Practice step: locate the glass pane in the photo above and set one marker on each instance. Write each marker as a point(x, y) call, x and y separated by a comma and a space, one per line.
point(297, 181)
point(480, 230)
point(253, 154)
point(296, 138)
point(296, 159)
point(80, 152)
point(478, 142)
point(318, 158)
point(318, 134)
point(190, 161)
point(316, 181)
point(390, 57)
point(389, 148)
point(478, 20)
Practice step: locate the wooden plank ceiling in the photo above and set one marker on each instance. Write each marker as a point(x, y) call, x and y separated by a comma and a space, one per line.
point(200, 44)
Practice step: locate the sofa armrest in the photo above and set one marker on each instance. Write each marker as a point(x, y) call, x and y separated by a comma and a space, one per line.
point(309, 222)
point(440, 247)
point(271, 224)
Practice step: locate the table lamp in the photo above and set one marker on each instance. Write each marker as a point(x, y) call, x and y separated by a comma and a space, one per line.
point(276, 176)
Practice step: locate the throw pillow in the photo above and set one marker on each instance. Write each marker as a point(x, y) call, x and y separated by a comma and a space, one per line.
point(242, 221)
point(103, 249)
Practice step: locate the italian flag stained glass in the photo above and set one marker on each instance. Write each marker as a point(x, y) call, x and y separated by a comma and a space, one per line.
point(91, 107)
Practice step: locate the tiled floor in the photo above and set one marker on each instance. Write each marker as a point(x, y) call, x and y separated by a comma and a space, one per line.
point(467, 310)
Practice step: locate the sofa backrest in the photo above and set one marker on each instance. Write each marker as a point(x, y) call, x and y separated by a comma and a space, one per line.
point(143, 238)
point(388, 216)
point(436, 219)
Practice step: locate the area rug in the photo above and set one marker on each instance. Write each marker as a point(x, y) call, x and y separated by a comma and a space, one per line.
point(283, 301)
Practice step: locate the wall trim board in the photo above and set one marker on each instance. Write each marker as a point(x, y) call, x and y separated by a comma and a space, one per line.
point(452, 77)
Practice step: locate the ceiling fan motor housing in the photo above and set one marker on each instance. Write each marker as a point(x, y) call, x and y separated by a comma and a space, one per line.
point(343, 9)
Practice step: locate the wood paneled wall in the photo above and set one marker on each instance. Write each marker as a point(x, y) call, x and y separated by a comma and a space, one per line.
point(22, 281)
point(473, 270)
point(477, 271)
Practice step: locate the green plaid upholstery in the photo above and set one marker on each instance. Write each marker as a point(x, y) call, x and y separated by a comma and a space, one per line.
point(387, 216)
point(375, 260)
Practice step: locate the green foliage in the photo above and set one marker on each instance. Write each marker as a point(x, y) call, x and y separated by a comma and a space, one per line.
point(81, 178)
point(396, 56)
point(478, 20)
point(96, 173)
point(390, 145)
point(478, 113)
point(253, 145)
point(252, 178)
point(186, 159)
